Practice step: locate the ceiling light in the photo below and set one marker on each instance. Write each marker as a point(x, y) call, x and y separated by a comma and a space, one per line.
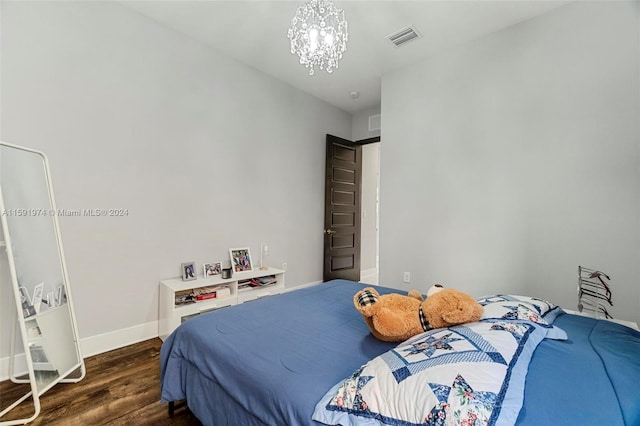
point(318, 35)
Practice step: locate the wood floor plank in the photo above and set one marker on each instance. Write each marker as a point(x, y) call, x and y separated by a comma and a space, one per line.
point(121, 387)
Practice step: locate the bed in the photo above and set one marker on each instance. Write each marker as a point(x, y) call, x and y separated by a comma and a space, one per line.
point(306, 357)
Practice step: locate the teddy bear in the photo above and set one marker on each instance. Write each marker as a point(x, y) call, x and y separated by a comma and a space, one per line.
point(395, 317)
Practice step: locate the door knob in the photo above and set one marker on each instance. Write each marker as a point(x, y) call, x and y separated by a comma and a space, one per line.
point(329, 231)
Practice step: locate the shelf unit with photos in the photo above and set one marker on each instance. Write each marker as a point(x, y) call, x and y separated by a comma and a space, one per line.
point(178, 299)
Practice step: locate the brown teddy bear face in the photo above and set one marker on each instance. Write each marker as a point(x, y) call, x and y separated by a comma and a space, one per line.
point(390, 317)
point(450, 307)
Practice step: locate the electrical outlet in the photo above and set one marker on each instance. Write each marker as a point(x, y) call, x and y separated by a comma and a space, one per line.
point(284, 266)
point(407, 277)
point(265, 249)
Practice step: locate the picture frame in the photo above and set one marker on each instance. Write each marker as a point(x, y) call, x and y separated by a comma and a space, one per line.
point(188, 271)
point(60, 295)
point(51, 300)
point(212, 269)
point(24, 295)
point(27, 308)
point(241, 259)
point(38, 293)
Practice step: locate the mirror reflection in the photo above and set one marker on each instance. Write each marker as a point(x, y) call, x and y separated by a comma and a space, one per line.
point(31, 234)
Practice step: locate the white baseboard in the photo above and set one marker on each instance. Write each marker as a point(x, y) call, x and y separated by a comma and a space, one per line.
point(21, 366)
point(101, 343)
point(94, 345)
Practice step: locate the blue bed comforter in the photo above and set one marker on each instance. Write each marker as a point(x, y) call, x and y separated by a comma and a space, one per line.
point(270, 361)
point(593, 378)
point(273, 358)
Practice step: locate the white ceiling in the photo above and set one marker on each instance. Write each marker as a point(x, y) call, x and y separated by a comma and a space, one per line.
point(255, 33)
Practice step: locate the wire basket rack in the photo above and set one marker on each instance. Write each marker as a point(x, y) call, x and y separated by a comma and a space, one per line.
point(594, 293)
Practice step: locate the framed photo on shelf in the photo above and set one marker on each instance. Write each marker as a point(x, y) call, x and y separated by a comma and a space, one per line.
point(24, 295)
point(211, 269)
point(188, 271)
point(27, 308)
point(60, 295)
point(240, 259)
point(36, 299)
point(51, 300)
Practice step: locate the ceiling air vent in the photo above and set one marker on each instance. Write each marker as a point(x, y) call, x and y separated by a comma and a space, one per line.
point(403, 36)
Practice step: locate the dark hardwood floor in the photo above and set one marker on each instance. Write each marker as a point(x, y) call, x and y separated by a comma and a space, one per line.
point(121, 387)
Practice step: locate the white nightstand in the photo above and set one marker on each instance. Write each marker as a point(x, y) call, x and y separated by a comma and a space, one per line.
point(238, 289)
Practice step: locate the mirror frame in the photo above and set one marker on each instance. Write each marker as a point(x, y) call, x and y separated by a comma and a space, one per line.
point(63, 376)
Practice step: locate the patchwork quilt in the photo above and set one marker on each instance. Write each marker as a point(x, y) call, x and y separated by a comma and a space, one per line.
point(540, 310)
point(473, 374)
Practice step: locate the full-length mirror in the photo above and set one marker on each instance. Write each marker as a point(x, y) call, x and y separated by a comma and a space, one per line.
point(45, 320)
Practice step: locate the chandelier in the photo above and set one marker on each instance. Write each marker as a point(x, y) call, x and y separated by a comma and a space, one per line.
point(318, 35)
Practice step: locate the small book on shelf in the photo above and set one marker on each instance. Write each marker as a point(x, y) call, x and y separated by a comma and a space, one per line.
point(263, 281)
point(207, 296)
point(271, 279)
point(204, 290)
point(184, 297)
point(205, 293)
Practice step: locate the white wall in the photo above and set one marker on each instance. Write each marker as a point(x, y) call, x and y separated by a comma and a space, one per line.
point(509, 161)
point(204, 153)
point(369, 206)
point(370, 183)
point(360, 124)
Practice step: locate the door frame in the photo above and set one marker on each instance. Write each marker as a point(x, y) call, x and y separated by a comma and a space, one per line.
point(327, 275)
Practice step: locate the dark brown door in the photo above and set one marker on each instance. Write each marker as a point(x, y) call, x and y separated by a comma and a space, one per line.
point(342, 210)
